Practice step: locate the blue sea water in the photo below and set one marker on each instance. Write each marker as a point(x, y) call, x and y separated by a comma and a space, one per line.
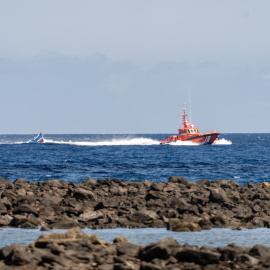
point(240, 157)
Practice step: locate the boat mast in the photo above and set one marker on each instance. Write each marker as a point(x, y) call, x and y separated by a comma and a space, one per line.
point(189, 108)
point(184, 116)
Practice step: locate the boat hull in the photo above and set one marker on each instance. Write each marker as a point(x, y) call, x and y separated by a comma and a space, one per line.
point(206, 138)
point(40, 141)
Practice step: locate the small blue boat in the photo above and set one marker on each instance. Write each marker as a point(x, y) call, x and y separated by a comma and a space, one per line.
point(38, 139)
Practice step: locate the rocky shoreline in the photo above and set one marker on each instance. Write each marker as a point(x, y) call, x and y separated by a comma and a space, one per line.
point(76, 250)
point(178, 204)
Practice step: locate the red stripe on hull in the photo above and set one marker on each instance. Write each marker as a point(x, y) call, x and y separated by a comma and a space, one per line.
point(201, 139)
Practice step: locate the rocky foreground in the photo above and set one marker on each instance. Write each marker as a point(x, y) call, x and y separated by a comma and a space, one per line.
point(76, 250)
point(178, 204)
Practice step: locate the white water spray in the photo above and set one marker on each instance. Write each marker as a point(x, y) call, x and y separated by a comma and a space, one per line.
point(127, 141)
point(222, 142)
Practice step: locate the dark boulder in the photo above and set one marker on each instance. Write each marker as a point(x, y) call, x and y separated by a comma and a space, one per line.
point(89, 215)
point(230, 252)
point(261, 252)
point(155, 195)
point(3, 209)
point(5, 220)
point(150, 266)
point(90, 182)
point(181, 205)
point(109, 203)
point(179, 225)
point(201, 257)
point(54, 183)
point(6, 202)
point(157, 186)
point(20, 183)
point(223, 183)
point(179, 180)
point(5, 183)
point(83, 194)
point(218, 196)
point(63, 224)
point(16, 254)
point(107, 182)
point(246, 259)
point(127, 248)
point(143, 216)
point(24, 208)
point(157, 250)
point(18, 220)
point(203, 182)
point(116, 181)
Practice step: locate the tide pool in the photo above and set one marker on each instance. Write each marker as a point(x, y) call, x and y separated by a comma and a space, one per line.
point(216, 237)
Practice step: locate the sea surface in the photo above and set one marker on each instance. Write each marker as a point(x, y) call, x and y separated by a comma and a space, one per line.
point(240, 157)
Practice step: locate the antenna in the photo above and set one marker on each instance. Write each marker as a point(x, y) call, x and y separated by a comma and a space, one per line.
point(189, 107)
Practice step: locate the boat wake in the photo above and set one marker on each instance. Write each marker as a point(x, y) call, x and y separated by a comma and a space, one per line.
point(184, 143)
point(190, 143)
point(122, 141)
point(127, 141)
point(222, 142)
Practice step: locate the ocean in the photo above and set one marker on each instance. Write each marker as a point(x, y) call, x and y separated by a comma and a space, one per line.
point(239, 157)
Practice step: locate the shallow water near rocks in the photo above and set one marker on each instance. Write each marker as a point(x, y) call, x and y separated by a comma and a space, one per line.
point(211, 238)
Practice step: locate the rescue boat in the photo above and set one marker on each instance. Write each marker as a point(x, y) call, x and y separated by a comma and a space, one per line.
point(189, 132)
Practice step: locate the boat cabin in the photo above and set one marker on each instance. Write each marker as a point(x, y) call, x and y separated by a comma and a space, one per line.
point(188, 131)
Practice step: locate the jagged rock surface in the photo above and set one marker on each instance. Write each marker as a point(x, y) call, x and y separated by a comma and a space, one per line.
point(177, 204)
point(77, 250)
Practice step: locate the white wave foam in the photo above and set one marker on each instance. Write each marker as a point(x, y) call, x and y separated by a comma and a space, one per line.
point(222, 142)
point(185, 143)
point(127, 141)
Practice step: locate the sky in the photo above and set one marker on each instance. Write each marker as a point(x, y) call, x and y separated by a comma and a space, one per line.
point(127, 67)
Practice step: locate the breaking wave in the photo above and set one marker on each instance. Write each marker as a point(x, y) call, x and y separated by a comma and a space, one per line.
point(134, 141)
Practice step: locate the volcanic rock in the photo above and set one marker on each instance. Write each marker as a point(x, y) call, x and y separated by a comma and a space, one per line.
point(77, 250)
point(135, 204)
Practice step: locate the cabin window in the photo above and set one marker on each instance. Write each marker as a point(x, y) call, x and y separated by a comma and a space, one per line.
point(188, 131)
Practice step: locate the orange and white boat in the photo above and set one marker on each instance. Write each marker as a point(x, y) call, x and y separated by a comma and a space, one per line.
point(189, 132)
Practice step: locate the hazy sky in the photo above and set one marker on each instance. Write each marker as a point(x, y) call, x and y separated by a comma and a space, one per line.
point(128, 66)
